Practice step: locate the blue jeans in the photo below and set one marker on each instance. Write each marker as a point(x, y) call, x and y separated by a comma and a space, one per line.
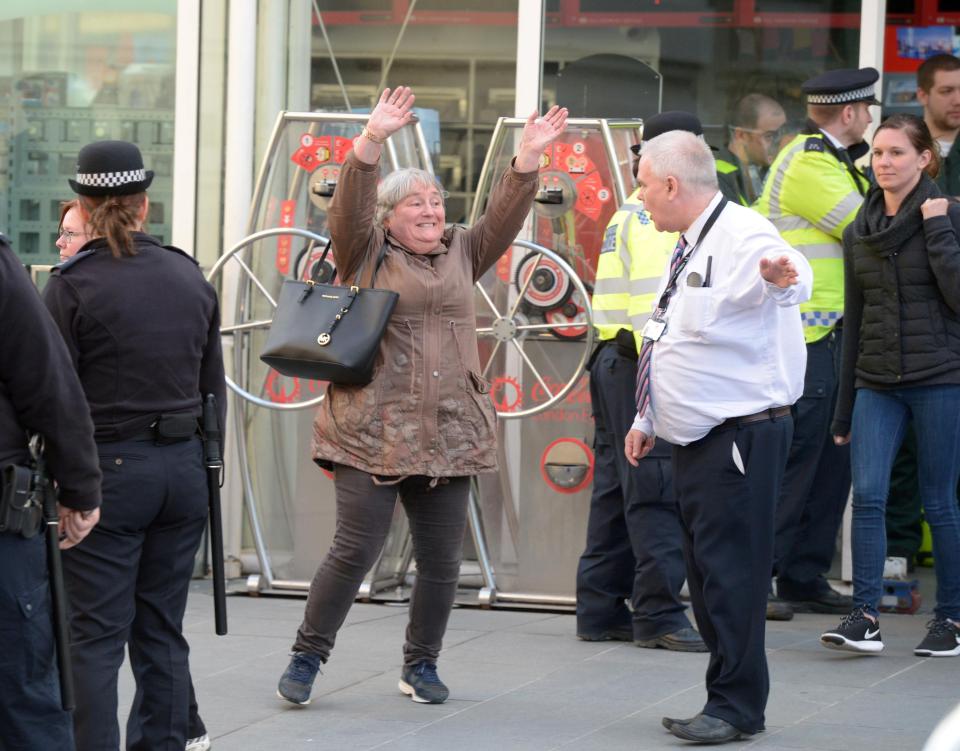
point(879, 422)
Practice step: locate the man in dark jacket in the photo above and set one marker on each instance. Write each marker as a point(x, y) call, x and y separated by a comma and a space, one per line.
point(755, 126)
point(938, 90)
point(39, 393)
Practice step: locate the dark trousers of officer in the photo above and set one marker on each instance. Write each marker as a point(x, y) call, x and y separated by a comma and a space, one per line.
point(634, 548)
point(727, 521)
point(816, 483)
point(127, 584)
point(30, 713)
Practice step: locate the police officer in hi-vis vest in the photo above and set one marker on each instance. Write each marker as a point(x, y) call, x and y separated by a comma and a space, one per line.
point(633, 549)
point(812, 192)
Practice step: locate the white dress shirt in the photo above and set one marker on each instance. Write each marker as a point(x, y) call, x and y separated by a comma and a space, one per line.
point(732, 348)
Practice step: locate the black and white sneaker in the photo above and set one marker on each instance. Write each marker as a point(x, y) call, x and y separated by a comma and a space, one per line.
point(942, 639)
point(856, 633)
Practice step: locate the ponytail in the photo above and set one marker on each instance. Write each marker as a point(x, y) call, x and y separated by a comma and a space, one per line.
point(115, 218)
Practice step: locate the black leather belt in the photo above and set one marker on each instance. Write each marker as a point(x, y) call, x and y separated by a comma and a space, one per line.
point(762, 416)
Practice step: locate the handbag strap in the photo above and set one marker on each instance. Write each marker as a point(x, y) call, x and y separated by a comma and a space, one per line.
point(324, 337)
point(318, 267)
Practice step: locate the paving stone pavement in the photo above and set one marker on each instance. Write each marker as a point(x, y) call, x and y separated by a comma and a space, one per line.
point(521, 681)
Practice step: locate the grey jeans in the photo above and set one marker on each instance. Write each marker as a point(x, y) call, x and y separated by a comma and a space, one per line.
point(437, 517)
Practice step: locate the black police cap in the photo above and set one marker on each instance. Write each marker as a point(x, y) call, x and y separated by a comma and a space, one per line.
point(842, 86)
point(664, 122)
point(110, 168)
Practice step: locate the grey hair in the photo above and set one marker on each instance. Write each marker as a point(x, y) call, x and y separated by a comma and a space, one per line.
point(398, 185)
point(685, 156)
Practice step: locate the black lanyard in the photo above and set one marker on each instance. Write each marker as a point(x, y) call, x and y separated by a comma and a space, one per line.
point(672, 283)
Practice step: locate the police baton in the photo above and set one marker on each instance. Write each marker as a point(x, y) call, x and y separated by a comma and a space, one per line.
point(58, 594)
point(213, 460)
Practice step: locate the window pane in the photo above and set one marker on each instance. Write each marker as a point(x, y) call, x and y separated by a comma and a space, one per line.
point(71, 78)
point(704, 69)
point(459, 58)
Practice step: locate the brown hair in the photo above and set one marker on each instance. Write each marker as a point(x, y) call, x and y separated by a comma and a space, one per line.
point(930, 66)
point(115, 218)
point(65, 206)
point(917, 132)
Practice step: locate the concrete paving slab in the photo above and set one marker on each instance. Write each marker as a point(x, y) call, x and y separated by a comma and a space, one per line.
point(521, 681)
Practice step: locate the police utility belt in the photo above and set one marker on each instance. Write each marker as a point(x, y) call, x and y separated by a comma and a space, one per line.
point(168, 429)
point(21, 502)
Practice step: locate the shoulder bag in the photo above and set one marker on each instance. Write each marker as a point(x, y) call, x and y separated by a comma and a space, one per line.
point(329, 332)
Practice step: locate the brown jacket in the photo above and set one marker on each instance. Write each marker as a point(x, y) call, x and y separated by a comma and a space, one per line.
point(427, 410)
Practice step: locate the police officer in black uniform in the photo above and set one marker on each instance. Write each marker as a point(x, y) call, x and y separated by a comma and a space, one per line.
point(40, 393)
point(142, 326)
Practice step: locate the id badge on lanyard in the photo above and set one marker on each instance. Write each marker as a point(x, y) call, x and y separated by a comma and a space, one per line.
point(655, 326)
point(653, 329)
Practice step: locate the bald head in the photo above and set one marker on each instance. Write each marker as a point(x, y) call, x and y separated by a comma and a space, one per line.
point(755, 129)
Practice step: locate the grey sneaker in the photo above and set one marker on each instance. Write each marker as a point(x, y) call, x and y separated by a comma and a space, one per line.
point(297, 680)
point(421, 683)
point(201, 743)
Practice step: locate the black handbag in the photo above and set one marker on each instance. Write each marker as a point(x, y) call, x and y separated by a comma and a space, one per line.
point(329, 332)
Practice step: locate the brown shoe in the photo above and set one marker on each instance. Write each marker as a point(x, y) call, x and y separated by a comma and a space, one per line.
point(778, 610)
point(683, 640)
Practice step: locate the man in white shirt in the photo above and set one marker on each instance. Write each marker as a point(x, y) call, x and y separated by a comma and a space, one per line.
point(722, 362)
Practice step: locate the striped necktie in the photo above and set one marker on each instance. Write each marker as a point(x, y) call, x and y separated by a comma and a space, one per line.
point(646, 349)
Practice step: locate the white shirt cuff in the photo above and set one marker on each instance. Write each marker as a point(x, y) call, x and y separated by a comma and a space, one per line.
point(643, 424)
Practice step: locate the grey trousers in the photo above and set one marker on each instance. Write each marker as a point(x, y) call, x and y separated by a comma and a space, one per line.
point(437, 517)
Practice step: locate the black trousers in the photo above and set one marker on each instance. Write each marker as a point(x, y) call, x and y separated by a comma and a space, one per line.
point(816, 483)
point(437, 513)
point(30, 714)
point(727, 519)
point(634, 544)
point(127, 584)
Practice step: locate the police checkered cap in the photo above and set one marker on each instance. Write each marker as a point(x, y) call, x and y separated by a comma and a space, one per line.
point(842, 86)
point(110, 168)
point(111, 179)
point(842, 97)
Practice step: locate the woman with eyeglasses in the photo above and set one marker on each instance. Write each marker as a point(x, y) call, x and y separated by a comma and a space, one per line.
point(74, 231)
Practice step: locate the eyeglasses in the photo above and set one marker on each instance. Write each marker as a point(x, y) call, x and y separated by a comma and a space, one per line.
point(69, 236)
point(770, 136)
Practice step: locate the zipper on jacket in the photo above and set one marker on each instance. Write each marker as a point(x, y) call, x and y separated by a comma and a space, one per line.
point(463, 364)
point(413, 355)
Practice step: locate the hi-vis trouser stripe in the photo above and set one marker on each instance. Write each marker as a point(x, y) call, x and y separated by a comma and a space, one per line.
point(826, 318)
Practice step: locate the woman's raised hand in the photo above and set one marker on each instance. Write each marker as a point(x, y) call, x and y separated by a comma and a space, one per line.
point(538, 133)
point(393, 111)
point(933, 207)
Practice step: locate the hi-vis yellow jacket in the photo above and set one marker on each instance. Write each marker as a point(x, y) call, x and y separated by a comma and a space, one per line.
point(632, 259)
point(811, 195)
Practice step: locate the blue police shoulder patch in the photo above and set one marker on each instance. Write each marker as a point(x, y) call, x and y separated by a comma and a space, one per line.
point(814, 143)
point(609, 239)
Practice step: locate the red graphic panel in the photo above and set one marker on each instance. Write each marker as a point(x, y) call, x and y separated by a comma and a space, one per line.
point(317, 150)
point(288, 210)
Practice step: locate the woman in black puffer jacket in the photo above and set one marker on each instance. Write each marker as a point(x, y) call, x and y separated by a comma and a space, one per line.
point(901, 362)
